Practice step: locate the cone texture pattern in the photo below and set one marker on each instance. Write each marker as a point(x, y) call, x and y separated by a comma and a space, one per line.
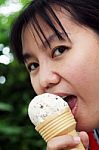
point(57, 125)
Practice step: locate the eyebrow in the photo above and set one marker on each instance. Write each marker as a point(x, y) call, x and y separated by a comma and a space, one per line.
point(26, 56)
point(51, 38)
point(45, 44)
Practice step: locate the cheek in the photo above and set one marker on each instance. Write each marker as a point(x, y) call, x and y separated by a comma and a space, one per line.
point(79, 72)
point(36, 85)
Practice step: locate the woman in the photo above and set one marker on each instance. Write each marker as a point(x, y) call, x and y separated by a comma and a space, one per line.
point(58, 40)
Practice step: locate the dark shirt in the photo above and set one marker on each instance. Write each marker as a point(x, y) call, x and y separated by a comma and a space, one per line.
point(96, 135)
point(94, 140)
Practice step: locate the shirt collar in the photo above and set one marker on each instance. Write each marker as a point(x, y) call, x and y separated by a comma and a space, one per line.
point(96, 134)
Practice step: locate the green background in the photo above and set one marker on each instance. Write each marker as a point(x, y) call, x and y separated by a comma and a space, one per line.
point(16, 130)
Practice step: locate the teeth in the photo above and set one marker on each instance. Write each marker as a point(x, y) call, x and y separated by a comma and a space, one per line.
point(67, 98)
point(64, 97)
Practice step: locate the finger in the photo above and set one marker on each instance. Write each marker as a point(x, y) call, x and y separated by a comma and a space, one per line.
point(62, 142)
point(84, 138)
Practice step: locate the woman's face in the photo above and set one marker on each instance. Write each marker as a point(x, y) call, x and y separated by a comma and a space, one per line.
point(69, 68)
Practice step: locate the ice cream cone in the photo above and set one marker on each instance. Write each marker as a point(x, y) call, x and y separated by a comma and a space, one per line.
point(59, 124)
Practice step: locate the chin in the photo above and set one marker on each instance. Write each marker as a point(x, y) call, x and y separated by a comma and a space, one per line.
point(84, 127)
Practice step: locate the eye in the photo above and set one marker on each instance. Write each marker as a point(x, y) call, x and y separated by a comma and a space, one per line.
point(33, 66)
point(59, 50)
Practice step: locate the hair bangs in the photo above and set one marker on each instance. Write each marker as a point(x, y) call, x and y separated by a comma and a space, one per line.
point(82, 12)
point(48, 16)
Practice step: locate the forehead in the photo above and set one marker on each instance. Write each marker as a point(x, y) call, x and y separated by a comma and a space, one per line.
point(34, 39)
point(38, 33)
point(47, 30)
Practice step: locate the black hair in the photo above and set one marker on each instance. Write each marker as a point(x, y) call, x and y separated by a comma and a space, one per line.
point(85, 12)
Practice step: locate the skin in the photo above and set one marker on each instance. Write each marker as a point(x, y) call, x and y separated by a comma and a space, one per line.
point(74, 71)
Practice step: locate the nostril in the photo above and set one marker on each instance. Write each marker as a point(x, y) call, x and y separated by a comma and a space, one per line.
point(50, 85)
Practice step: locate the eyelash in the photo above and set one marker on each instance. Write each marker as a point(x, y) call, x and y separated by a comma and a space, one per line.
point(61, 49)
point(35, 65)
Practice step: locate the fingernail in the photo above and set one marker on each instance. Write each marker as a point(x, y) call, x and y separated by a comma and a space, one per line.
point(77, 139)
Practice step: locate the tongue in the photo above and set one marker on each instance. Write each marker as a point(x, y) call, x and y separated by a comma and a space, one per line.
point(72, 101)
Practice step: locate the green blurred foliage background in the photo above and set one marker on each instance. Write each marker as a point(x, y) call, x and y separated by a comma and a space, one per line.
point(16, 130)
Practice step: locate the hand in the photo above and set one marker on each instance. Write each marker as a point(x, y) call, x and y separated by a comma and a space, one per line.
point(69, 142)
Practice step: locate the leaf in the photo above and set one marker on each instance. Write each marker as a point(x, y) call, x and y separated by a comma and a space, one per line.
point(5, 107)
point(2, 2)
point(25, 2)
point(10, 130)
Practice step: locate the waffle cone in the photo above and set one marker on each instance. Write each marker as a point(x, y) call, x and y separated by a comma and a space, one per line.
point(59, 124)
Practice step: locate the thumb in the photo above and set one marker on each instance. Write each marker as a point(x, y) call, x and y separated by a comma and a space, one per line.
point(85, 139)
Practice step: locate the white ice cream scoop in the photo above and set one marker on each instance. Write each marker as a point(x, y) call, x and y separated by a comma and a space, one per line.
point(52, 117)
point(45, 105)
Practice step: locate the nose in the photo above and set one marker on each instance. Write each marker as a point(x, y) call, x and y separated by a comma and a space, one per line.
point(48, 76)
